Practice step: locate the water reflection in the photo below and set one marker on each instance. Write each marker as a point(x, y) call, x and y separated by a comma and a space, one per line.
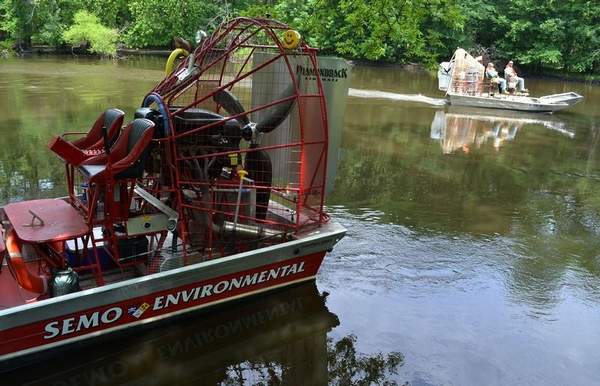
point(46, 96)
point(349, 368)
point(272, 339)
point(466, 129)
point(27, 170)
point(524, 201)
point(455, 131)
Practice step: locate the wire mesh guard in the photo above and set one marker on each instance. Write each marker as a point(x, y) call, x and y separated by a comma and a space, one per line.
point(246, 148)
point(468, 74)
point(228, 153)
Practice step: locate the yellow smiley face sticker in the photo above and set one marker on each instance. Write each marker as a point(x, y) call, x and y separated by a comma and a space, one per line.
point(291, 39)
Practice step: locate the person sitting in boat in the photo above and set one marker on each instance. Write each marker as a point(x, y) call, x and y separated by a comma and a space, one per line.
point(492, 75)
point(511, 75)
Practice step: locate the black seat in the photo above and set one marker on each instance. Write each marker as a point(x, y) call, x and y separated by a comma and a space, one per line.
point(127, 156)
point(111, 119)
point(141, 128)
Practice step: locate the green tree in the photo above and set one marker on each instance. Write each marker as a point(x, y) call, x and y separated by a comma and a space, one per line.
point(51, 18)
point(155, 23)
point(41, 21)
point(559, 35)
point(112, 13)
point(563, 36)
point(394, 31)
point(86, 29)
point(16, 20)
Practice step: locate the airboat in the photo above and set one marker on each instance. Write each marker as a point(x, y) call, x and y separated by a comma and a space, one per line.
point(213, 192)
point(463, 80)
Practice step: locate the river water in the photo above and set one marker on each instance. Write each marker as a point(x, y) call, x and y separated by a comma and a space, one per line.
point(472, 255)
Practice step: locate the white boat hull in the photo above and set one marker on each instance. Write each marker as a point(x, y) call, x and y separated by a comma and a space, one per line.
point(545, 104)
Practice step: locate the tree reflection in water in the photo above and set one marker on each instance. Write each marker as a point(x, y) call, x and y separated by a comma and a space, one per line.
point(345, 367)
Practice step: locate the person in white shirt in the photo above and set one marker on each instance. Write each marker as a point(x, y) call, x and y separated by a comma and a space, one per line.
point(492, 74)
point(511, 76)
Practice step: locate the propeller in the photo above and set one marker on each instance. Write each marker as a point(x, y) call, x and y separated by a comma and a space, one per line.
point(232, 105)
point(275, 114)
point(258, 162)
point(278, 113)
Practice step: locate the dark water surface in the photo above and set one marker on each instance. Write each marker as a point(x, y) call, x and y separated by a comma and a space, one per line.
point(472, 255)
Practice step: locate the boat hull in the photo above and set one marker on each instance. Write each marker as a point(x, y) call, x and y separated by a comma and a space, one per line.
point(547, 104)
point(42, 325)
point(201, 347)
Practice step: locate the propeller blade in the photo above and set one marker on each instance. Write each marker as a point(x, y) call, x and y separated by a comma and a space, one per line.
point(260, 169)
point(278, 113)
point(231, 105)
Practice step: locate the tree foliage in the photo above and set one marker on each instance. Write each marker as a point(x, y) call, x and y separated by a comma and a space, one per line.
point(15, 20)
point(112, 13)
point(348, 367)
point(555, 35)
point(379, 30)
point(561, 35)
point(154, 23)
point(86, 29)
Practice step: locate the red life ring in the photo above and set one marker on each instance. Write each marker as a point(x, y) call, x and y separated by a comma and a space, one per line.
point(26, 279)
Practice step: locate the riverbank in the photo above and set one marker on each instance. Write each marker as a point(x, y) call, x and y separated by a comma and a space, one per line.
point(527, 73)
point(123, 53)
